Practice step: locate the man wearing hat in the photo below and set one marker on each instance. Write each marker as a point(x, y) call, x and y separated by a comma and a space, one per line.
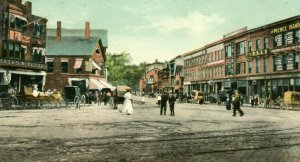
point(237, 104)
point(163, 103)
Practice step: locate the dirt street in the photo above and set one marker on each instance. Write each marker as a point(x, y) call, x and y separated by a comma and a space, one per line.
point(195, 133)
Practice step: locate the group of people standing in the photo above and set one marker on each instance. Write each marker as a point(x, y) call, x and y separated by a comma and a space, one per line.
point(163, 100)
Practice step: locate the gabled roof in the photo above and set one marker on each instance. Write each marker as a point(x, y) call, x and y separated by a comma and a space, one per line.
point(73, 42)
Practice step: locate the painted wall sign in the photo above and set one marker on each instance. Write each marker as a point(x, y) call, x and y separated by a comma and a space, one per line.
point(23, 64)
point(286, 28)
point(258, 53)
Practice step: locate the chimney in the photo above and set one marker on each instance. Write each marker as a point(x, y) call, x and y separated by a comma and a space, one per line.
point(87, 30)
point(58, 31)
point(29, 6)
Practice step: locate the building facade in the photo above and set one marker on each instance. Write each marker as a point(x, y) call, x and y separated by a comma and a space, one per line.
point(76, 57)
point(149, 82)
point(22, 45)
point(263, 61)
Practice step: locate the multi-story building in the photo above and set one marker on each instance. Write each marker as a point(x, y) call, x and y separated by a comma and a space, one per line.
point(150, 78)
point(22, 45)
point(263, 61)
point(76, 57)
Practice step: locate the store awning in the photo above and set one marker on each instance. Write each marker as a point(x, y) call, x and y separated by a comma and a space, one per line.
point(107, 85)
point(27, 72)
point(78, 63)
point(95, 66)
point(95, 84)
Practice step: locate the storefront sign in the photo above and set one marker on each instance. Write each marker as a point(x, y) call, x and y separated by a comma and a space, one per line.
point(88, 66)
point(286, 28)
point(290, 61)
point(23, 64)
point(258, 53)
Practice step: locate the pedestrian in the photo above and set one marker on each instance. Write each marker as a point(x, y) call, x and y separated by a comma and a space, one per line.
point(236, 104)
point(143, 100)
point(163, 104)
point(252, 101)
point(228, 102)
point(158, 99)
point(172, 100)
point(127, 105)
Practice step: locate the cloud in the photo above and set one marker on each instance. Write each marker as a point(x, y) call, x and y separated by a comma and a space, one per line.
point(194, 21)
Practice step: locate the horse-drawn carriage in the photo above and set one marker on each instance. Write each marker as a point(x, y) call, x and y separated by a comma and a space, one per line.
point(72, 95)
point(8, 99)
point(118, 96)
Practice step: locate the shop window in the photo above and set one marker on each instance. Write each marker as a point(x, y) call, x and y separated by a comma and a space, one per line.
point(266, 43)
point(240, 48)
point(50, 67)
point(64, 67)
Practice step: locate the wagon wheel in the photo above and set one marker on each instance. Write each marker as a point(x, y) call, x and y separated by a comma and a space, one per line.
point(111, 103)
point(77, 102)
point(83, 100)
point(13, 102)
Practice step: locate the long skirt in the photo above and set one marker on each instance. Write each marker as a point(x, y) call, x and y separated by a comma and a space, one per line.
point(127, 107)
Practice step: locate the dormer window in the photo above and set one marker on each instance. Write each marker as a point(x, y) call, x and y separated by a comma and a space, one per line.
point(98, 51)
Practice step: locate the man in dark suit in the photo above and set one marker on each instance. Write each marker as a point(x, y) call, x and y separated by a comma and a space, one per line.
point(163, 104)
point(172, 100)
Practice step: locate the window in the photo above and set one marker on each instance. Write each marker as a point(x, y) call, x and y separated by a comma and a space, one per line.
point(35, 55)
point(240, 48)
point(249, 67)
point(228, 69)
point(249, 46)
point(278, 40)
point(38, 30)
point(64, 67)
point(285, 35)
point(23, 52)
point(18, 23)
point(228, 51)
point(257, 44)
point(296, 64)
point(297, 36)
point(265, 65)
point(50, 67)
point(238, 68)
point(257, 65)
point(266, 42)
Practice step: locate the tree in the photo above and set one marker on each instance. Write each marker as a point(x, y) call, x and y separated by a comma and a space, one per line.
point(121, 71)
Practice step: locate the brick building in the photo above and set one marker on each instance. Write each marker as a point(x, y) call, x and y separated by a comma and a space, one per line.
point(76, 57)
point(149, 82)
point(263, 61)
point(22, 45)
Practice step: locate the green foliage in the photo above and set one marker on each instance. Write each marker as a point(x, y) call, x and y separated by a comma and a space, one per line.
point(121, 71)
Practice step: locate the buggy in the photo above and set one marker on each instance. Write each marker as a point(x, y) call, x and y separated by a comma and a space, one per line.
point(118, 96)
point(72, 95)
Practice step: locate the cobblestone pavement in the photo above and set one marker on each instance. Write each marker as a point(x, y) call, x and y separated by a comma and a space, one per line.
point(196, 133)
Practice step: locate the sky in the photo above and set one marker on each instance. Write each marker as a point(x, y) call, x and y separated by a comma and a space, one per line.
point(163, 29)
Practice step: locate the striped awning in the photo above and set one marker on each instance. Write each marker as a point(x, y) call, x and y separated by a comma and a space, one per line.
point(78, 63)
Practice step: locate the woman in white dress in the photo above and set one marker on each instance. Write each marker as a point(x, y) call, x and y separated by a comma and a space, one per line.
point(127, 105)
